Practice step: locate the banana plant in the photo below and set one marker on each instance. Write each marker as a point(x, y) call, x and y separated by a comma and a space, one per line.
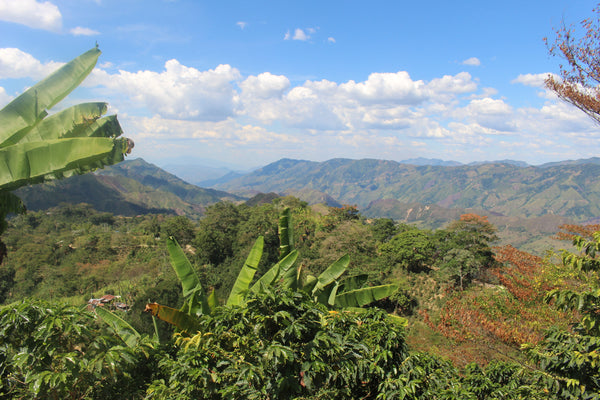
point(327, 289)
point(35, 147)
point(196, 301)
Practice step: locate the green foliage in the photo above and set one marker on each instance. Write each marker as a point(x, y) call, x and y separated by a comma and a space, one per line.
point(573, 358)
point(412, 250)
point(55, 351)
point(281, 344)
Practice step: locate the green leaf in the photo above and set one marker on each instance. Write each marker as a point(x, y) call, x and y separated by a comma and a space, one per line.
point(361, 297)
point(286, 233)
point(21, 114)
point(276, 272)
point(242, 283)
point(71, 122)
point(193, 292)
point(34, 162)
point(212, 300)
point(332, 272)
point(125, 331)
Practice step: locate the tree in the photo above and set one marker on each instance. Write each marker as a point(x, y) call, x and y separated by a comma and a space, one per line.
point(412, 250)
point(579, 79)
point(459, 266)
point(35, 147)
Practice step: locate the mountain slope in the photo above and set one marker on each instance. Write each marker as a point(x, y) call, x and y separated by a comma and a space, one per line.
point(571, 190)
point(129, 188)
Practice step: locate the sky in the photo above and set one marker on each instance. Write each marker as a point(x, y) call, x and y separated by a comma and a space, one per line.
point(245, 83)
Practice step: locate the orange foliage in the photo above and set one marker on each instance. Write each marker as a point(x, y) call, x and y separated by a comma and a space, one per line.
point(520, 273)
point(474, 218)
point(568, 231)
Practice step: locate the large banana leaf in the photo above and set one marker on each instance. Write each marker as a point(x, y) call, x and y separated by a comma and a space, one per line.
point(364, 296)
point(126, 332)
point(34, 162)
point(353, 282)
point(21, 114)
point(242, 283)
point(193, 293)
point(275, 272)
point(71, 122)
point(173, 316)
point(332, 272)
point(286, 233)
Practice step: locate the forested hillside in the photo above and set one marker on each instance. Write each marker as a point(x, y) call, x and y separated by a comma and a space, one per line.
point(571, 190)
point(464, 300)
point(131, 188)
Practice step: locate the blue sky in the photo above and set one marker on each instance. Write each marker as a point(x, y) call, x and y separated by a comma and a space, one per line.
point(246, 83)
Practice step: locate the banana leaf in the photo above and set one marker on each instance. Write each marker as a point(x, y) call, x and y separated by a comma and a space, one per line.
point(332, 272)
point(353, 282)
point(309, 283)
point(173, 316)
point(83, 120)
point(327, 295)
point(212, 301)
point(28, 109)
point(242, 283)
point(126, 332)
point(286, 233)
point(35, 162)
point(276, 272)
point(364, 296)
point(193, 293)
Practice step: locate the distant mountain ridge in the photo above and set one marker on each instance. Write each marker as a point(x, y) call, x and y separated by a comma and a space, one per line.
point(129, 188)
point(571, 190)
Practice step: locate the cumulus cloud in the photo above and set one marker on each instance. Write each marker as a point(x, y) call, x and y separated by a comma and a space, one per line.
point(473, 61)
point(396, 88)
point(80, 31)
point(38, 15)
point(331, 39)
point(534, 80)
point(264, 86)
point(241, 24)
point(179, 91)
point(15, 63)
point(459, 83)
point(386, 112)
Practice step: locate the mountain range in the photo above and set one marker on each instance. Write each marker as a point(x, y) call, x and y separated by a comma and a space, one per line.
point(129, 188)
point(570, 189)
point(526, 203)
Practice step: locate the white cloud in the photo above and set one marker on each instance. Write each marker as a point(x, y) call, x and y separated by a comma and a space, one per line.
point(331, 39)
point(534, 80)
point(241, 24)
point(300, 34)
point(473, 61)
point(395, 88)
point(179, 91)
point(265, 85)
point(459, 83)
point(4, 97)
point(38, 15)
point(80, 31)
point(15, 63)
